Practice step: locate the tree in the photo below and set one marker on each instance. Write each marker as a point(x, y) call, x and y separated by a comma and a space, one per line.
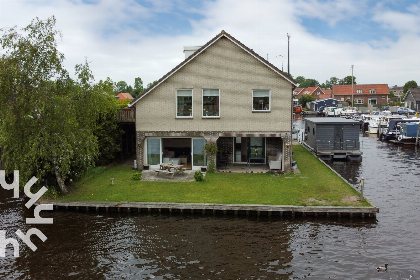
point(151, 84)
point(122, 86)
point(52, 116)
point(347, 80)
point(409, 85)
point(309, 83)
point(300, 79)
point(331, 82)
point(305, 99)
point(138, 87)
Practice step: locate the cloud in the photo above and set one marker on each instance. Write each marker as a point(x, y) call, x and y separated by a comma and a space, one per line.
point(143, 38)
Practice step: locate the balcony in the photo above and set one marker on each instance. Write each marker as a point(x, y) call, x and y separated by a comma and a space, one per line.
point(126, 115)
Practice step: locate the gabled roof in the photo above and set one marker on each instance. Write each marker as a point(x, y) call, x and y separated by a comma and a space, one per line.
point(222, 34)
point(346, 89)
point(297, 91)
point(415, 92)
point(124, 96)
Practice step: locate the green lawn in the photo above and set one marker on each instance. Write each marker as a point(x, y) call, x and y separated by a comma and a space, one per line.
point(317, 185)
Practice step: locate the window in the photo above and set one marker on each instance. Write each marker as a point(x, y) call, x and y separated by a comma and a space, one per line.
point(383, 97)
point(184, 103)
point(260, 100)
point(372, 91)
point(359, 91)
point(211, 103)
point(358, 101)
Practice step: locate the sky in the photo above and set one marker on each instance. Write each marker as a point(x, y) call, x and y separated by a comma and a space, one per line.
point(125, 39)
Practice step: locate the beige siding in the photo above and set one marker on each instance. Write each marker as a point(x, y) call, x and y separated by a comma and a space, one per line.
point(236, 73)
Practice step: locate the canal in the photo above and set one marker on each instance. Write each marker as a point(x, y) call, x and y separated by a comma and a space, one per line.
point(153, 246)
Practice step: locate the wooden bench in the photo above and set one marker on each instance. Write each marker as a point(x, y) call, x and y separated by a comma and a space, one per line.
point(164, 171)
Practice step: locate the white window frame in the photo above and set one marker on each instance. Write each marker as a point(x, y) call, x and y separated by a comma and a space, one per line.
point(269, 100)
point(359, 91)
point(358, 101)
point(192, 104)
point(202, 104)
point(372, 91)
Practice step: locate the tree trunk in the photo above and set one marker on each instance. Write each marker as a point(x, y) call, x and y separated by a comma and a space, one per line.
point(60, 181)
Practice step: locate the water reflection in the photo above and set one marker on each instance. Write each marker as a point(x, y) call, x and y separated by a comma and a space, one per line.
point(111, 246)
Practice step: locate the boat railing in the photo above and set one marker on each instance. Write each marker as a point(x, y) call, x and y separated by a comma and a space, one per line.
point(337, 145)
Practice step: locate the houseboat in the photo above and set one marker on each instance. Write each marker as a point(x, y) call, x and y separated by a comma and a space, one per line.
point(333, 138)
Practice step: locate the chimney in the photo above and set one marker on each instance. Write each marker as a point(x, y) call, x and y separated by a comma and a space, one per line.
point(190, 50)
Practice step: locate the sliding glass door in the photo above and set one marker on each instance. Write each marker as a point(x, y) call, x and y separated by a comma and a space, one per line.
point(199, 157)
point(153, 151)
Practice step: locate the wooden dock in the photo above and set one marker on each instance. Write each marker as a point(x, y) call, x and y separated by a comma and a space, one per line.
point(214, 209)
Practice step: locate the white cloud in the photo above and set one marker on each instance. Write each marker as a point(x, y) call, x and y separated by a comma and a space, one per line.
point(116, 36)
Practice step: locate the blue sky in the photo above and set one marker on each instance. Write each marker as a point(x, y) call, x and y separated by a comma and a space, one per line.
point(125, 39)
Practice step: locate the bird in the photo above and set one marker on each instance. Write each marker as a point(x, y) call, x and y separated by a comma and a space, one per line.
point(382, 268)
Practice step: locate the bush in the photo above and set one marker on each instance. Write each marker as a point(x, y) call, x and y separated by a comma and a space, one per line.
point(136, 176)
point(198, 176)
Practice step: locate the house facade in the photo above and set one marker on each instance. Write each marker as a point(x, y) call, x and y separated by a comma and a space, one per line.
point(317, 92)
point(362, 94)
point(412, 99)
point(223, 93)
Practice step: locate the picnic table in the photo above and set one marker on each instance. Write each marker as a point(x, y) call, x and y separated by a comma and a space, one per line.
point(170, 168)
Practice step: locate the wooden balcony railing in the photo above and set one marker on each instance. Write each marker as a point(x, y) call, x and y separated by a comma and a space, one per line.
point(126, 115)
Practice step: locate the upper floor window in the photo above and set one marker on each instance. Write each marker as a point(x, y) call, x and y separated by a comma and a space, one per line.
point(184, 103)
point(359, 91)
point(261, 100)
point(372, 91)
point(211, 103)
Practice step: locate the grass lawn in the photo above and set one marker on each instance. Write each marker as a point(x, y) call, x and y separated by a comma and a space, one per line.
point(317, 185)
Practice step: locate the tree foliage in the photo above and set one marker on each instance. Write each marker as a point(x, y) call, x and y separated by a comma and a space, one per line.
point(305, 99)
point(408, 85)
point(348, 80)
point(48, 120)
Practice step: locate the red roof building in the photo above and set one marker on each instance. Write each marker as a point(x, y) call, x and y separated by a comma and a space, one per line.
point(362, 94)
point(316, 92)
point(124, 96)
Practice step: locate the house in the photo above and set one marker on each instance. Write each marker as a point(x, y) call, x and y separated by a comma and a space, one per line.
point(222, 93)
point(316, 92)
point(362, 94)
point(124, 96)
point(398, 91)
point(412, 99)
point(334, 138)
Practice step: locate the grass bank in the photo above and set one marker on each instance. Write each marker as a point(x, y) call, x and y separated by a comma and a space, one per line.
point(316, 186)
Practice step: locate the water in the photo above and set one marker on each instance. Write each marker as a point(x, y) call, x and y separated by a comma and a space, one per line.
point(112, 246)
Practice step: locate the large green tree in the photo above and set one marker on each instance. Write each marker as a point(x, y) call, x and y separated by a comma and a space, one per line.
point(408, 85)
point(47, 119)
point(348, 80)
point(306, 98)
point(138, 87)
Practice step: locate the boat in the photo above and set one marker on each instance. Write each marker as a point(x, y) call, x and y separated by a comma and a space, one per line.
point(408, 132)
point(297, 109)
point(393, 129)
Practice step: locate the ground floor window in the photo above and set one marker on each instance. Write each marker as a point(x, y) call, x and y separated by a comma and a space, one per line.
point(183, 151)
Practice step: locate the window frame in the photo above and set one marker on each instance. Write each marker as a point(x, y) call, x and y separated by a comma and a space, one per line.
point(202, 104)
point(192, 104)
point(269, 101)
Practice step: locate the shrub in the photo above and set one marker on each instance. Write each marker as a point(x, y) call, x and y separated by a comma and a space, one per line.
point(136, 176)
point(198, 176)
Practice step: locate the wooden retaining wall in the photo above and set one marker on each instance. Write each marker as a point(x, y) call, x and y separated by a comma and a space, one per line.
point(214, 209)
